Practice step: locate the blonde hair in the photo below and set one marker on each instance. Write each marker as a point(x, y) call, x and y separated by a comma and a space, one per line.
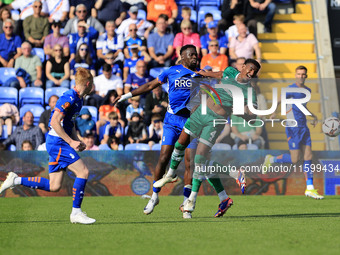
point(239, 17)
point(83, 76)
point(185, 23)
point(186, 9)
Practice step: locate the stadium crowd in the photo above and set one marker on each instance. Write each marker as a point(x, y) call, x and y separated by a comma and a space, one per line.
point(121, 43)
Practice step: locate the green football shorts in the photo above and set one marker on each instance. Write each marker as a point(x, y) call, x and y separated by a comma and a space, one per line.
point(202, 126)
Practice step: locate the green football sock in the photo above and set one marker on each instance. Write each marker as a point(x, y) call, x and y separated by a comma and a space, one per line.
point(176, 158)
point(216, 183)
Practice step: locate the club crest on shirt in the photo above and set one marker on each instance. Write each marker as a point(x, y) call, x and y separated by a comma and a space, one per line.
point(66, 106)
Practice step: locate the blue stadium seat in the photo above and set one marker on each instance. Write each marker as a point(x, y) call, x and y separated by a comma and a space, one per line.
point(221, 147)
point(208, 9)
point(209, 3)
point(189, 3)
point(8, 95)
point(31, 95)
point(59, 91)
point(6, 73)
point(94, 112)
point(137, 147)
point(154, 72)
point(40, 53)
point(156, 147)
point(141, 14)
point(36, 109)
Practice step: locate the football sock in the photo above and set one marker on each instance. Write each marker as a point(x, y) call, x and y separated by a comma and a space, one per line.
point(186, 192)
point(35, 182)
point(216, 183)
point(283, 158)
point(156, 190)
point(78, 191)
point(222, 195)
point(308, 174)
point(176, 158)
point(154, 195)
point(17, 181)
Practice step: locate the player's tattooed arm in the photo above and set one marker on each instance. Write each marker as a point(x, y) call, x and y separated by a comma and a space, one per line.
point(217, 75)
point(56, 125)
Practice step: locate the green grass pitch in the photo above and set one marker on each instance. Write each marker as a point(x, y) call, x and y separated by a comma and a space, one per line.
point(253, 225)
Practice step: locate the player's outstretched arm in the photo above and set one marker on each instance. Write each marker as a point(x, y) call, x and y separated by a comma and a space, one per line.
point(55, 123)
point(216, 75)
point(141, 90)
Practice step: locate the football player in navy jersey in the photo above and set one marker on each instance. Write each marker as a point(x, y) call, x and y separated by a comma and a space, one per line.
point(179, 78)
point(62, 144)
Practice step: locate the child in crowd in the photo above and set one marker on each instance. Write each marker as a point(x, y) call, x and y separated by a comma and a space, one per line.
point(134, 107)
point(155, 130)
point(136, 130)
point(26, 146)
point(113, 128)
point(106, 108)
point(84, 123)
point(110, 59)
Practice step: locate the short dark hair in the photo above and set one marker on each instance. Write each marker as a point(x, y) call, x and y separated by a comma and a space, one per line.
point(112, 139)
point(163, 16)
point(254, 62)
point(185, 47)
point(26, 141)
point(107, 67)
point(207, 15)
point(301, 68)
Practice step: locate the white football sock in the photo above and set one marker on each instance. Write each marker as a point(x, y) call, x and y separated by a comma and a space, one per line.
point(154, 196)
point(222, 195)
point(75, 211)
point(17, 181)
point(310, 187)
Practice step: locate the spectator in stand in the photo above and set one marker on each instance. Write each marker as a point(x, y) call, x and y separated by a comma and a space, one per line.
point(106, 108)
point(267, 7)
point(213, 34)
point(130, 63)
point(155, 8)
point(160, 44)
point(244, 45)
point(107, 81)
point(112, 144)
point(58, 10)
point(229, 9)
point(5, 14)
point(136, 132)
point(45, 116)
point(155, 130)
point(26, 146)
point(26, 132)
point(186, 15)
point(110, 59)
point(36, 26)
point(82, 59)
point(9, 116)
point(113, 128)
point(58, 69)
point(88, 4)
point(134, 107)
point(26, 8)
point(186, 37)
point(225, 137)
point(110, 10)
point(144, 27)
point(137, 79)
point(110, 41)
point(31, 64)
point(241, 131)
point(84, 123)
point(233, 30)
point(89, 142)
point(103, 84)
point(208, 17)
point(10, 45)
point(56, 38)
point(156, 102)
point(133, 39)
point(81, 37)
point(239, 63)
point(81, 12)
point(214, 61)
